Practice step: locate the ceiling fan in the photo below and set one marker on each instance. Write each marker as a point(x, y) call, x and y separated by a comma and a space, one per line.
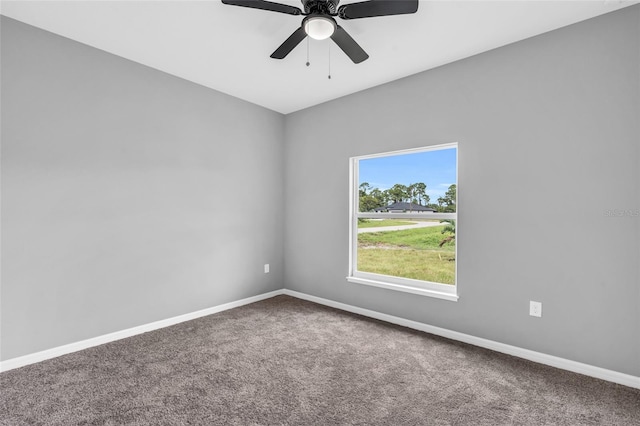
point(319, 22)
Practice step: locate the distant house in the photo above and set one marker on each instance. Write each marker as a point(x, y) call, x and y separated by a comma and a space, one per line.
point(404, 208)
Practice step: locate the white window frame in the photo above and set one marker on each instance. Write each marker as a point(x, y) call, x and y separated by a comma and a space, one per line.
point(424, 288)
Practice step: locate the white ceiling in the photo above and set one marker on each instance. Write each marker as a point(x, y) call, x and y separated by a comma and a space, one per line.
point(227, 48)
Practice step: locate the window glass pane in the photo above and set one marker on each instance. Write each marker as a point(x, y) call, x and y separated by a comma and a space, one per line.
point(422, 182)
point(421, 250)
point(419, 181)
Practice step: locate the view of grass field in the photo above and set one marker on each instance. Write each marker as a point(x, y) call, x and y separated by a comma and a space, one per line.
point(411, 253)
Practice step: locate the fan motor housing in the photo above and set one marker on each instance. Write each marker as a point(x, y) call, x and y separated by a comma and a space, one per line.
point(320, 7)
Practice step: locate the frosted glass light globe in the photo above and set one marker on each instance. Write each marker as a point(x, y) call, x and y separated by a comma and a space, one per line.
point(319, 28)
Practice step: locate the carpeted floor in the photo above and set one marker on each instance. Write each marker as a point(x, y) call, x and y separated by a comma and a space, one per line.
point(284, 361)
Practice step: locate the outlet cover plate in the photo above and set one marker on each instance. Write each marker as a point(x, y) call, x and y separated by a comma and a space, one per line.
point(535, 309)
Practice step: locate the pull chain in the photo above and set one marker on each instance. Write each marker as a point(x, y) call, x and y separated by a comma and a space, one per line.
point(329, 61)
point(308, 63)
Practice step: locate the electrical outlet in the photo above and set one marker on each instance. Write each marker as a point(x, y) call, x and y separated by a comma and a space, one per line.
point(266, 268)
point(535, 308)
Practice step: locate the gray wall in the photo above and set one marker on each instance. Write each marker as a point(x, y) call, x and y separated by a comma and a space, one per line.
point(128, 195)
point(548, 140)
point(125, 192)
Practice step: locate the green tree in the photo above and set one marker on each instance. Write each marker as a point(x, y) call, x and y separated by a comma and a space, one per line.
point(380, 196)
point(447, 203)
point(369, 197)
point(451, 194)
point(398, 193)
point(420, 192)
point(368, 203)
point(364, 187)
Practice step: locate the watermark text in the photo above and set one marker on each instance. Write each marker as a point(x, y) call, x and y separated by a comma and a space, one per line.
point(622, 213)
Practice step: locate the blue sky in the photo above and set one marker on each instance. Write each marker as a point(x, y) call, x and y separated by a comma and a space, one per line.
point(437, 169)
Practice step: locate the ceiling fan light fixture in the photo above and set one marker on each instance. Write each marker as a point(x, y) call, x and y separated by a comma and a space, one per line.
point(319, 27)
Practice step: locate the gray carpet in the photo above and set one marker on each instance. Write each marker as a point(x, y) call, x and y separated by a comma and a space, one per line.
point(284, 361)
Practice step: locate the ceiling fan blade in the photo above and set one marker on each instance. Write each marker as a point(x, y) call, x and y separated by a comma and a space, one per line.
point(289, 44)
point(265, 5)
point(371, 8)
point(349, 45)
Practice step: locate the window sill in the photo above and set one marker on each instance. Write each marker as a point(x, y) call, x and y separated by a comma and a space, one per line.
point(406, 289)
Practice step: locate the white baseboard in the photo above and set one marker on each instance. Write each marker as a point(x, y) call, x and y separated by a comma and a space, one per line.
point(553, 361)
point(10, 364)
point(565, 364)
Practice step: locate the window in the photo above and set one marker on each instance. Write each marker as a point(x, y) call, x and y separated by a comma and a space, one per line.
point(403, 228)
